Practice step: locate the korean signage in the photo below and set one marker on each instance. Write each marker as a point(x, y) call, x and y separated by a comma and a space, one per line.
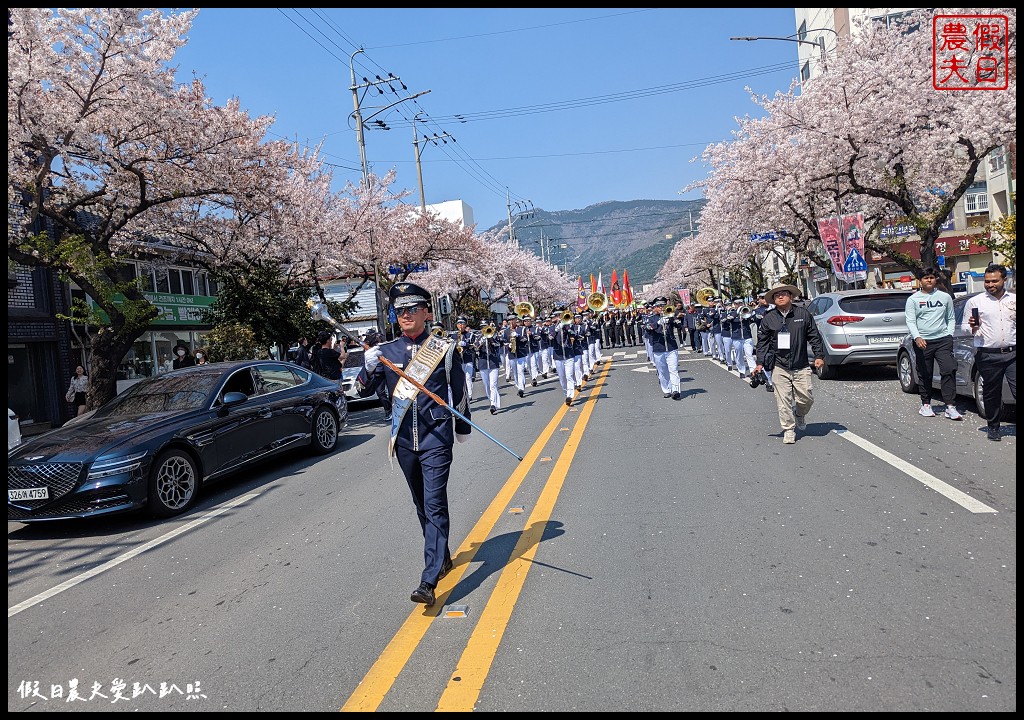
point(970, 52)
point(174, 309)
point(900, 229)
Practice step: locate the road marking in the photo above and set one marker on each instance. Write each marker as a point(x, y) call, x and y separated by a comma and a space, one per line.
point(378, 680)
point(960, 498)
point(467, 681)
point(68, 584)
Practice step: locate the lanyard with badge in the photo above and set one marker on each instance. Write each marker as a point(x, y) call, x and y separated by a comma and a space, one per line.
point(782, 337)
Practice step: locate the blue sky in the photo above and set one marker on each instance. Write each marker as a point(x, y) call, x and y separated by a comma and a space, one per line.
point(562, 108)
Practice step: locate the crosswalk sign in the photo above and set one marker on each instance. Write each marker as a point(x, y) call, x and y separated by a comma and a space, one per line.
point(855, 262)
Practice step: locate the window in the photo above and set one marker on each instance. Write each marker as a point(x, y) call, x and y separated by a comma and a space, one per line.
point(805, 72)
point(161, 282)
point(174, 280)
point(187, 283)
point(976, 202)
point(277, 377)
point(802, 32)
point(996, 160)
point(146, 278)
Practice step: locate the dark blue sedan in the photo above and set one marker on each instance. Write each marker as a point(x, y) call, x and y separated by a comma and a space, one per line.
point(155, 445)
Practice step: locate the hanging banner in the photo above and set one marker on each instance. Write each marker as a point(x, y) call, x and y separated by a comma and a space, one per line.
point(581, 295)
point(684, 295)
point(854, 266)
point(836, 233)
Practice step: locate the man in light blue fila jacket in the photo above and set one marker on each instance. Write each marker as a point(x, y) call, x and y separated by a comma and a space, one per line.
point(931, 322)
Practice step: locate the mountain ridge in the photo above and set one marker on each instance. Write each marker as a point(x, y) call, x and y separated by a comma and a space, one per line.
point(632, 235)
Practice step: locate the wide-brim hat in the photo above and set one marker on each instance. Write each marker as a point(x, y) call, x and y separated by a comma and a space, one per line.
point(180, 345)
point(407, 294)
point(770, 295)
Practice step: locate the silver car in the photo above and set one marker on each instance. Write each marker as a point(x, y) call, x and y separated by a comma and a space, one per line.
point(968, 380)
point(859, 327)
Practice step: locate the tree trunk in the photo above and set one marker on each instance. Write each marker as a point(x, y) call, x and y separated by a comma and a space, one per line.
point(107, 352)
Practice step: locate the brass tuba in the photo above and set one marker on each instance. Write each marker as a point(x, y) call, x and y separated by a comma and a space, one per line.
point(525, 310)
point(488, 331)
point(566, 318)
point(669, 311)
point(597, 301)
point(704, 295)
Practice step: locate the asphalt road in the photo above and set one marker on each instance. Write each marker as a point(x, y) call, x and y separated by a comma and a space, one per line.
point(646, 555)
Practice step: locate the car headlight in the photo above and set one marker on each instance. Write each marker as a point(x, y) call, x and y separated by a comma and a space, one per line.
point(115, 466)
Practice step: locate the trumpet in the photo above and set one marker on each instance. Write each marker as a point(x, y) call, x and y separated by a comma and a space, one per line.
point(746, 312)
point(524, 310)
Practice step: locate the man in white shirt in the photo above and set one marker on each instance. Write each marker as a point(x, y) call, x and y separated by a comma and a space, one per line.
point(992, 318)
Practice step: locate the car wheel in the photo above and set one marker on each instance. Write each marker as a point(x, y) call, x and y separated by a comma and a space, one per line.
point(826, 371)
point(905, 372)
point(325, 431)
point(173, 483)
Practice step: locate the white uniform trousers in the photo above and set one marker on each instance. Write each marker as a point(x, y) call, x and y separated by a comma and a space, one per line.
point(508, 360)
point(547, 356)
point(521, 368)
point(489, 376)
point(667, 364)
point(727, 344)
point(597, 349)
point(566, 370)
point(591, 356)
point(468, 368)
point(719, 346)
point(705, 342)
point(747, 364)
point(577, 363)
point(534, 365)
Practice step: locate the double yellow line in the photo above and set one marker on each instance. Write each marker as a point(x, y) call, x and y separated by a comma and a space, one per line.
point(461, 693)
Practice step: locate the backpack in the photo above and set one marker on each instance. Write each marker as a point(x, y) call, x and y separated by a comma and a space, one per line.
point(314, 361)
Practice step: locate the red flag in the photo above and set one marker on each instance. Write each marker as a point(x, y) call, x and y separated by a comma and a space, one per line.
point(616, 291)
point(581, 294)
point(593, 283)
point(627, 290)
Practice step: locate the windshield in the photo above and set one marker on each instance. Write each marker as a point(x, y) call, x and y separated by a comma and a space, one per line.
point(189, 391)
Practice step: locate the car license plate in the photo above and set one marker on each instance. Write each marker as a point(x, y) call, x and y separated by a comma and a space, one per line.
point(41, 493)
point(884, 339)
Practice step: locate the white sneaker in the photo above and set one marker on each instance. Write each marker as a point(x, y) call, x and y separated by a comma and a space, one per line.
point(801, 423)
point(789, 437)
point(953, 414)
point(926, 411)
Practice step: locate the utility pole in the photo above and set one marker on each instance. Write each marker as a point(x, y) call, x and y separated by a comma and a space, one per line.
point(523, 210)
point(360, 120)
point(419, 151)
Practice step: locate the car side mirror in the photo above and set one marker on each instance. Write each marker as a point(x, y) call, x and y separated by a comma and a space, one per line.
point(234, 398)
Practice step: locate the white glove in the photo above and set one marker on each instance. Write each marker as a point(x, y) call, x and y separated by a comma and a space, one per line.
point(462, 438)
point(371, 358)
point(462, 343)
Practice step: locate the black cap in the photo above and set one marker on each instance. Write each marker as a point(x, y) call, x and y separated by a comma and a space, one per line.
point(461, 319)
point(406, 294)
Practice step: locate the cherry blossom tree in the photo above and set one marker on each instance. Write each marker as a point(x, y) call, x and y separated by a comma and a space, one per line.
point(108, 151)
point(870, 134)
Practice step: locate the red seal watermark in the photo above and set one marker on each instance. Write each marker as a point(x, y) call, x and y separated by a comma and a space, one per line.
point(970, 52)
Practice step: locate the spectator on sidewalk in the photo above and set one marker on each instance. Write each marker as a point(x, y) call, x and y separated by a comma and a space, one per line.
point(995, 338)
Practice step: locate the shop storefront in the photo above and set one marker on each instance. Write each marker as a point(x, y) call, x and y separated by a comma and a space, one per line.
point(959, 254)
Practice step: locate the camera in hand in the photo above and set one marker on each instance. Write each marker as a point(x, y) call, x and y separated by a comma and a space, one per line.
point(758, 379)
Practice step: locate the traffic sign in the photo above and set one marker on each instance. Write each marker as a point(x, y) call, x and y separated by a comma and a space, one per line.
point(941, 260)
point(392, 318)
point(855, 262)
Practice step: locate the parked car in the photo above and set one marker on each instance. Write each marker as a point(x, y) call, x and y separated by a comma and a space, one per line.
point(859, 327)
point(349, 373)
point(159, 442)
point(968, 380)
point(959, 289)
point(13, 430)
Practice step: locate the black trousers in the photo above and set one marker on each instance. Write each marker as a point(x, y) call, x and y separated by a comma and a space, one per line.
point(993, 367)
point(936, 351)
point(426, 472)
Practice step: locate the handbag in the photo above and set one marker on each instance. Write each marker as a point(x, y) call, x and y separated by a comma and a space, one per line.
point(70, 395)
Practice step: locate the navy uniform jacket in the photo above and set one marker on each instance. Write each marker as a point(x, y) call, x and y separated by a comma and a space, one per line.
point(426, 424)
point(488, 353)
point(468, 349)
point(662, 337)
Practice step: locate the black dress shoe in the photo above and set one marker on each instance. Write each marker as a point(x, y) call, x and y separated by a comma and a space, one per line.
point(445, 569)
point(993, 434)
point(494, 410)
point(535, 382)
point(568, 402)
point(423, 594)
point(675, 395)
point(668, 395)
point(521, 393)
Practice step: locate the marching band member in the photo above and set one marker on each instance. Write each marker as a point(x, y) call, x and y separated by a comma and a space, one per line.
point(522, 334)
point(717, 345)
point(561, 337)
point(579, 344)
point(488, 360)
point(743, 343)
point(662, 333)
point(466, 346)
point(533, 342)
point(759, 312)
point(729, 318)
